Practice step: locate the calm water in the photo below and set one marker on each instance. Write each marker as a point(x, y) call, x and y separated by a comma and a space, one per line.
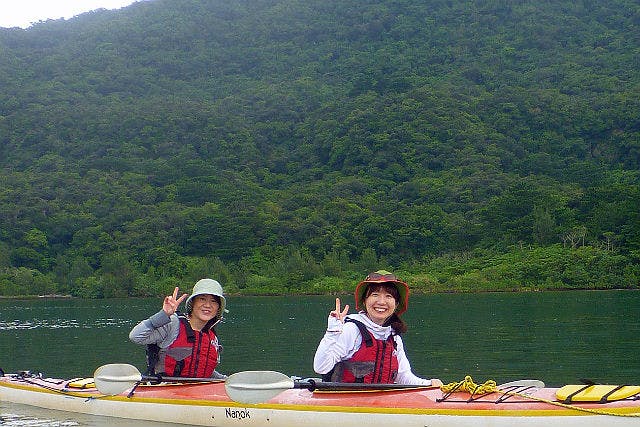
point(558, 337)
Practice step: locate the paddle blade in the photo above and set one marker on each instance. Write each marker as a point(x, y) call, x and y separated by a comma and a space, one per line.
point(256, 386)
point(522, 384)
point(115, 378)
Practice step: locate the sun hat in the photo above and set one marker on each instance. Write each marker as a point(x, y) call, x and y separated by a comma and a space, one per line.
point(383, 276)
point(208, 287)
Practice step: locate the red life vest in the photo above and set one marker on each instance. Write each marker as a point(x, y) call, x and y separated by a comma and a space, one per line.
point(193, 353)
point(374, 362)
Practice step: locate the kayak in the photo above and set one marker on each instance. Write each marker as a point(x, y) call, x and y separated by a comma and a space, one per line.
point(266, 398)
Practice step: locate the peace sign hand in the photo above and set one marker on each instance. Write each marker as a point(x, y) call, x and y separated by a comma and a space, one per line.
point(172, 302)
point(340, 315)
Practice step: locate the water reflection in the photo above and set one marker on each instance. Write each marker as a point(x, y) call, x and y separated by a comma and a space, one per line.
point(11, 420)
point(62, 324)
point(16, 415)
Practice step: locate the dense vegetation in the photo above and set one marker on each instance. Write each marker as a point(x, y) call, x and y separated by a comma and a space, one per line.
point(292, 146)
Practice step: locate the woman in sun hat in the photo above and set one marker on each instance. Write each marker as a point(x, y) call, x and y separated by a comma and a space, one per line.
point(367, 347)
point(184, 345)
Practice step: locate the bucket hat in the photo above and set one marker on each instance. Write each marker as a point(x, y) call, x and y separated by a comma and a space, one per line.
point(383, 276)
point(208, 287)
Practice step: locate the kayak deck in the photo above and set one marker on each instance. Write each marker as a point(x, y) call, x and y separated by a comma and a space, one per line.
point(202, 403)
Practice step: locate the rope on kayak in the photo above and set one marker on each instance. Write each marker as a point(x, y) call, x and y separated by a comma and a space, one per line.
point(490, 386)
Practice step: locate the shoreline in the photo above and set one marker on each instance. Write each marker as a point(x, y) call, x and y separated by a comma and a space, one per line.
point(334, 293)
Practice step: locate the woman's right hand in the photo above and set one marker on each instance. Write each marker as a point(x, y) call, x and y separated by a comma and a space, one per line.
point(340, 315)
point(172, 302)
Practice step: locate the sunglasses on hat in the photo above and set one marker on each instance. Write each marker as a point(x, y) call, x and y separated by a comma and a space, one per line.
point(381, 276)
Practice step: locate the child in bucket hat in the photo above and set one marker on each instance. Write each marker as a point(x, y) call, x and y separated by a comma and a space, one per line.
point(208, 287)
point(184, 345)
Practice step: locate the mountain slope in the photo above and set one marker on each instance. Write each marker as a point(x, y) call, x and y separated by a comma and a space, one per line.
point(173, 131)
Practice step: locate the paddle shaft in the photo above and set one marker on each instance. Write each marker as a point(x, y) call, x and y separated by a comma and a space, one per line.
point(162, 378)
point(335, 386)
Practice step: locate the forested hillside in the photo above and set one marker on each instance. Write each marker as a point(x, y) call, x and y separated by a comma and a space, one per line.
point(291, 146)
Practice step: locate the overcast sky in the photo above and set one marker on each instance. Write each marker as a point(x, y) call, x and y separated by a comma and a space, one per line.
point(21, 13)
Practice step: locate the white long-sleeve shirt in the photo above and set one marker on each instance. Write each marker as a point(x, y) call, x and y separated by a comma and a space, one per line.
point(342, 340)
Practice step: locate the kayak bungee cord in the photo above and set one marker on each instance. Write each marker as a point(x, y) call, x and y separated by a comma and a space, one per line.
point(490, 386)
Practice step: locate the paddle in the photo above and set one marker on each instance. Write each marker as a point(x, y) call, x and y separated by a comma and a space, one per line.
point(522, 384)
point(259, 386)
point(115, 378)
